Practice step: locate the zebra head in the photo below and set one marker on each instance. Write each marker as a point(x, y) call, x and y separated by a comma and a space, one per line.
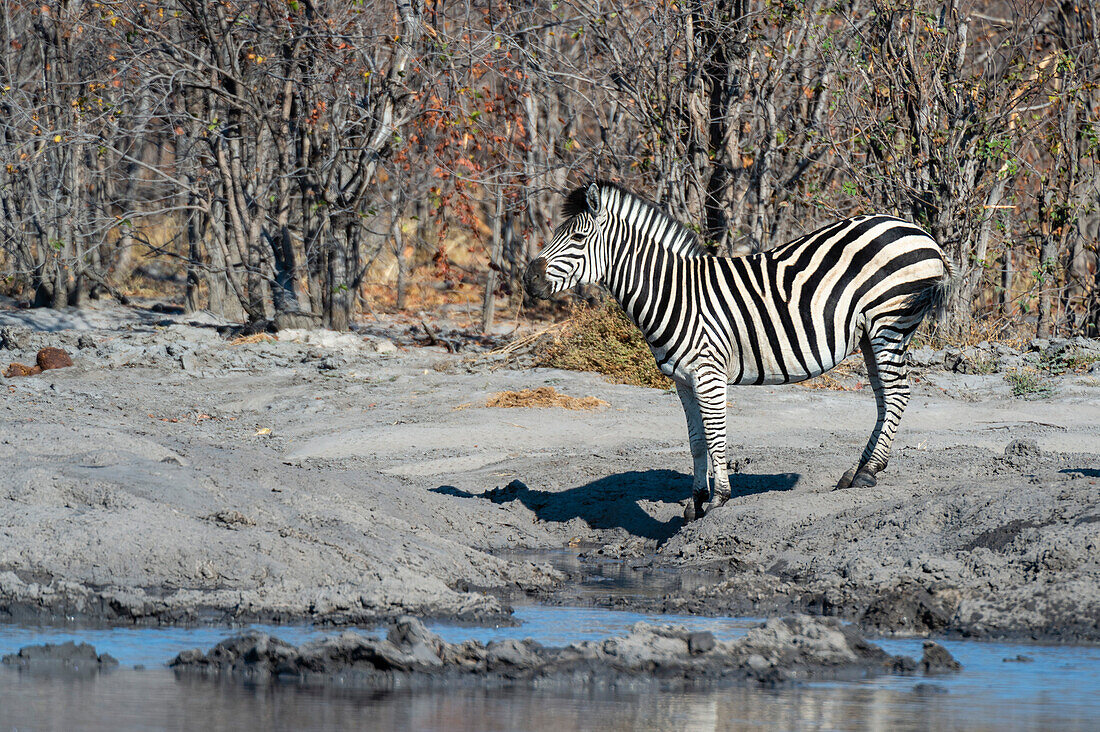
point(578, 253)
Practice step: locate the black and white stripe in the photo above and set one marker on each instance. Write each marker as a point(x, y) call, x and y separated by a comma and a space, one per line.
point(771, 318)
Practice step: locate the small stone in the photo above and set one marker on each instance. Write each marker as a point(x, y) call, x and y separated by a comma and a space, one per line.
point(937, 659)
point(53, 358)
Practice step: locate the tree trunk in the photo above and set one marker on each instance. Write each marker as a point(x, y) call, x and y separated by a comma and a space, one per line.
point(488, 302)
point(1007, 278)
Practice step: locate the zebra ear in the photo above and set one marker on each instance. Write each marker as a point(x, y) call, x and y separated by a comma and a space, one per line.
point(592, 198)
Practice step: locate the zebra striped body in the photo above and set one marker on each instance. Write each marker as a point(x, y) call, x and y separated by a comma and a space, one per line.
point(771, 318)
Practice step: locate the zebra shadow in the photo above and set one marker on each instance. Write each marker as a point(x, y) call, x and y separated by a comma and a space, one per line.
point(613, 502)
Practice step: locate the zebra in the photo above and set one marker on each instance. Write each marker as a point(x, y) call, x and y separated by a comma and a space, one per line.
point(775, 317)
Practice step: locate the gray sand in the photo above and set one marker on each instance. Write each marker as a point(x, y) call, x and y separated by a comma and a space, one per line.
point(172, 476)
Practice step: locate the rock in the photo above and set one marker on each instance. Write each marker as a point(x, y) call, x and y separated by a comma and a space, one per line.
point(15, 370)
point(53, 358)
point(1023, 448)
point(1058, 346)
point(510, 655)
point(953, 359)
point(15, 338)
point(410, 634)
point(384, 345)
point(922, 356)
point(67, 657)
point(700, 642)
point(969, 360)
point(937, 660)
point(187, 363)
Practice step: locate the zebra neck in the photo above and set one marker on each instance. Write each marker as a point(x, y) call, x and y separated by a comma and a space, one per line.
point(641, 278)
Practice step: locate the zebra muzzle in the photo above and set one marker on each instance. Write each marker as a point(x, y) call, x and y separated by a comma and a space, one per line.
point(534, 279)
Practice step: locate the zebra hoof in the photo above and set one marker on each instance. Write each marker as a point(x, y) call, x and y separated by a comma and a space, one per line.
point(864, 479)
point(693, 509)
point(846, 480)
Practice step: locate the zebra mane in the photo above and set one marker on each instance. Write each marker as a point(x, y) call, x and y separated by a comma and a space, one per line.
point(677, 238)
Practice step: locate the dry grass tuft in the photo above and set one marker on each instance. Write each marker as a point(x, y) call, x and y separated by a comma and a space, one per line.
point(254, 338)
point(602, 339)
point(543, 396)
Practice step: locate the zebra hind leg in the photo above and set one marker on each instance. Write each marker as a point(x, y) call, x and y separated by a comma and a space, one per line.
point(886, 370)
point(693, 509)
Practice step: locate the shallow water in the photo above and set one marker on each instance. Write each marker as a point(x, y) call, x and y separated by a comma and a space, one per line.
point(1058, 689)
point(551, 626)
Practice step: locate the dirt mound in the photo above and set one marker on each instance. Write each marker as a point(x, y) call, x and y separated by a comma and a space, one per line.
point(1000, 545)
point(778, 651)
point(543, 396)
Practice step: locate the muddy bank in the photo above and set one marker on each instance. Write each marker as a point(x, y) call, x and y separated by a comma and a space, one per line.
point(997, 545)
point(177, 472)
point(800, 648)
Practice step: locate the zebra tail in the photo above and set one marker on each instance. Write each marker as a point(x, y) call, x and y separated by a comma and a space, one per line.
point(944, 289)
point(935, 299)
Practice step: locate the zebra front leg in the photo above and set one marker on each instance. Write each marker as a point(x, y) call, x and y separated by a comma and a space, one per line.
point(710, 393)
point(698, 441)
point(890, 381)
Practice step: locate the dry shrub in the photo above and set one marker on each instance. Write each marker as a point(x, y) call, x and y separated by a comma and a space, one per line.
point(602, 339)
point(836, 379)
point(988, 328)
point(544, 396)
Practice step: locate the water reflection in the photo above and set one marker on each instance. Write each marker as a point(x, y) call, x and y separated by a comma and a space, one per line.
point(129, 700)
